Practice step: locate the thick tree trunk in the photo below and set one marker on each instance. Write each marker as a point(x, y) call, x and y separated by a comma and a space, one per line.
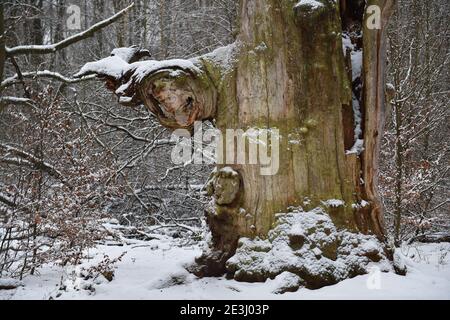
point(291, 75)
point(288, 71)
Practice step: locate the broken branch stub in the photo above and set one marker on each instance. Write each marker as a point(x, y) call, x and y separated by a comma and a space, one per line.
point(177, 91)
point(178, 98)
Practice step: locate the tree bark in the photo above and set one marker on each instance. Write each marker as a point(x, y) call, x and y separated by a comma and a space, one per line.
point(374, 67)
point(291, 75)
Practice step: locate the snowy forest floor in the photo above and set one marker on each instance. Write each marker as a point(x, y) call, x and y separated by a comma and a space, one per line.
point(154, 270)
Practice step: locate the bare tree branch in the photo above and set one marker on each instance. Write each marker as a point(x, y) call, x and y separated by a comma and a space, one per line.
point(16, 101)
point(43, 74)
point(52, 48)
point(38, 163)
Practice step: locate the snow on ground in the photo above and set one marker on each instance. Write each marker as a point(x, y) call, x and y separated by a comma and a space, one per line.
point(154, 270)
point(310, 3)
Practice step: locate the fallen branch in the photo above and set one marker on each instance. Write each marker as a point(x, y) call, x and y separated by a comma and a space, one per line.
point(9, 284)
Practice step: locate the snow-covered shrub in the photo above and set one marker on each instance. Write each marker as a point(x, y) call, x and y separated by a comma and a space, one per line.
point(89, 275)
point(55, 182)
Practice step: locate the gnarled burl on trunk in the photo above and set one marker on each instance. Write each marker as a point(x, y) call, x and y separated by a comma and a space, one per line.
point(315, 71)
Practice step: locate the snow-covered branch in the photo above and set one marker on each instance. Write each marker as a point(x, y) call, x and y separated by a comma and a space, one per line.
point(186, 89)
point(51, 48)
point(43, 74)
point(38, 163)
point(16, 101)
